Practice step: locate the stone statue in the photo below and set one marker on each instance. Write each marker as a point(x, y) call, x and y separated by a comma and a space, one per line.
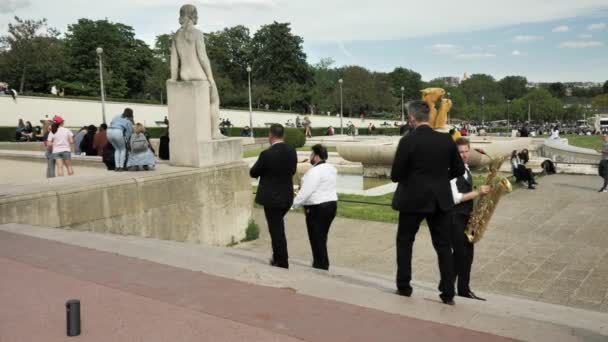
point(431, 96)
point(189, 61)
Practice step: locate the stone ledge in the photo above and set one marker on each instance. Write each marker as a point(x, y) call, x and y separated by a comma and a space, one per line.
point(210, 205)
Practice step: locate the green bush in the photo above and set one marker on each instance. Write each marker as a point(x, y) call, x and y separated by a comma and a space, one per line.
point(252, 232)
point(156, 132)
point(7, 133)
point(295, 137)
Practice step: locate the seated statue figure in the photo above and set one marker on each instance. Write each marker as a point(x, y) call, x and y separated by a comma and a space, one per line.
point(189, 61)
point(438, 119)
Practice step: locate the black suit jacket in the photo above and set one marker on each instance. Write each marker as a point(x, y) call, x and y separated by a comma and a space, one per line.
point(424, 164)
point(275, 167)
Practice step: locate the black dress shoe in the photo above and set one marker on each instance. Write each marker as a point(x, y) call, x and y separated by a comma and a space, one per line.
point(471, 295)
point(404, 293)
point(448, 301)
point(275, 264)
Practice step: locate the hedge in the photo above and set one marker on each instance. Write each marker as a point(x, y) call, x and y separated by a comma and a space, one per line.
point(8, 133)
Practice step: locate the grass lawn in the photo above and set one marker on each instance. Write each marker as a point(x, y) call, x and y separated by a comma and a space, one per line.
point(588, 141)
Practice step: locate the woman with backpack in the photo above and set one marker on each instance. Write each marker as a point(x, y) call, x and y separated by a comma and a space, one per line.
point(118, 133)
point(140, 155)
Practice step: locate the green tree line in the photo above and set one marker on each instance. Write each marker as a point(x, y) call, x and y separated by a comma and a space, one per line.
point(34, 57)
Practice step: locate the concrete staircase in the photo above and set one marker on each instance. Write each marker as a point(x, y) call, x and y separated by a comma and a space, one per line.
point(500, 315)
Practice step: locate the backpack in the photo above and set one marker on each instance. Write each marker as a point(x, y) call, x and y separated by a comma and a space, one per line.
point(548, 167)
point(138, 143)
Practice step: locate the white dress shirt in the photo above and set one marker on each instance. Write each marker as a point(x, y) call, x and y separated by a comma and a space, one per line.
point(458, 196)
point(318, 186)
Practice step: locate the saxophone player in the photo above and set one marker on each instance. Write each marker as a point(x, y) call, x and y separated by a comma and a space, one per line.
point(464, 196)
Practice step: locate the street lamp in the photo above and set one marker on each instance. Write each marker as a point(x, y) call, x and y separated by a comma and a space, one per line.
point(99, 51)
point(483, 121)
point(340, 81)
point(402, 108)
point(250, 109)
point(508, 116)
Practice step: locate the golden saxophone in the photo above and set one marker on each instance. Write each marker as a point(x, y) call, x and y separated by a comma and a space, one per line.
point(485, 206)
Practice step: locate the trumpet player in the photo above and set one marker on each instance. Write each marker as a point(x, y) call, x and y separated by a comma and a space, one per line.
point(464, 196)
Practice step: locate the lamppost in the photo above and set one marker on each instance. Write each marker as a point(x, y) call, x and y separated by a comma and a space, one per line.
point(402, 108)
point(250, 109)
point(340, 81)
point(508, 114)
point(483, 121)
point(99, 51)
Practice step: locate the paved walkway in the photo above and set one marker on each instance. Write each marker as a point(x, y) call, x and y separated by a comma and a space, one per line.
point(128, 299)
point(550, 245)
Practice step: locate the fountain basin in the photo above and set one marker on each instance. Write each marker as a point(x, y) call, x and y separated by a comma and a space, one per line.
point(377, 157)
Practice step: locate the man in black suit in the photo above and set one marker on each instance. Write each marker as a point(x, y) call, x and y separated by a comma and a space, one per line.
point(424, 164)
point(276, 167)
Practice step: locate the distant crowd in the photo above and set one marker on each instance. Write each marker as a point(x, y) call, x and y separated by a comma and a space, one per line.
point(123, 145)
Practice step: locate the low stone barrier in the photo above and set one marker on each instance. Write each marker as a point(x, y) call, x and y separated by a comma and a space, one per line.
point(207, 205)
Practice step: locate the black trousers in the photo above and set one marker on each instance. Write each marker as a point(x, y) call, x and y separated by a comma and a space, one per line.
point(463, 252)
point(525, 174)
point(439, 226)
point(318, 220)
point(276, 228)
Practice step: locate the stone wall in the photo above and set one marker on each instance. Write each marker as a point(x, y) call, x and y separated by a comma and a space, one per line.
point(209, 205)
point(78, 113)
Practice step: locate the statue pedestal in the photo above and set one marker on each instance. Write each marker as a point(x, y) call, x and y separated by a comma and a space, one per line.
point(191, 142)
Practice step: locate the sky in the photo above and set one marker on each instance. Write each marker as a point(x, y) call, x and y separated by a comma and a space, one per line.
point(544, 40)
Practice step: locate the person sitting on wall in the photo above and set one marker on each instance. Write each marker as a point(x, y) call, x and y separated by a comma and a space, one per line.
point(246, 132)
point(521, 172)
point(87, 145)
point(330, 131)
point(141, 155)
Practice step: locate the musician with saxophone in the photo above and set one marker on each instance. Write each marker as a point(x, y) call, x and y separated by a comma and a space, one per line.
point(464, 196)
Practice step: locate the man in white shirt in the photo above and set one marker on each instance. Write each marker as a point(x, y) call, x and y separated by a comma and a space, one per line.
point(463, 194)
point(319, 198)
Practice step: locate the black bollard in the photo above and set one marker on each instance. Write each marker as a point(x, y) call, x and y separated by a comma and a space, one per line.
point(72, 312)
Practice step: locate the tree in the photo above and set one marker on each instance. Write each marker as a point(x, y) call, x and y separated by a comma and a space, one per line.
point(605, 87)
point(479, 85)
point(31, 48)
point(229, 51)
point(513, 87)
point(543, 106)
point(278, 58)
point(557, 89)
point(126, 60)
point(600, 102)
point(357, 91)
point(325, 81)
point(160, 71)
point(409, 80)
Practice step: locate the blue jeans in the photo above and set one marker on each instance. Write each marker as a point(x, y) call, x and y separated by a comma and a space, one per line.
point(50, 165)
point(117, 139)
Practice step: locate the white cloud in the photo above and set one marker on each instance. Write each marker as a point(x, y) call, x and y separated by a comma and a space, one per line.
point(445, 49)
point(585, 36)
point(516, 53)
point(320, 20)
point(475, 55)
point(526, 39)
point(562, 28)
point(580, 45)
point(9, 6)
point(596, 27)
